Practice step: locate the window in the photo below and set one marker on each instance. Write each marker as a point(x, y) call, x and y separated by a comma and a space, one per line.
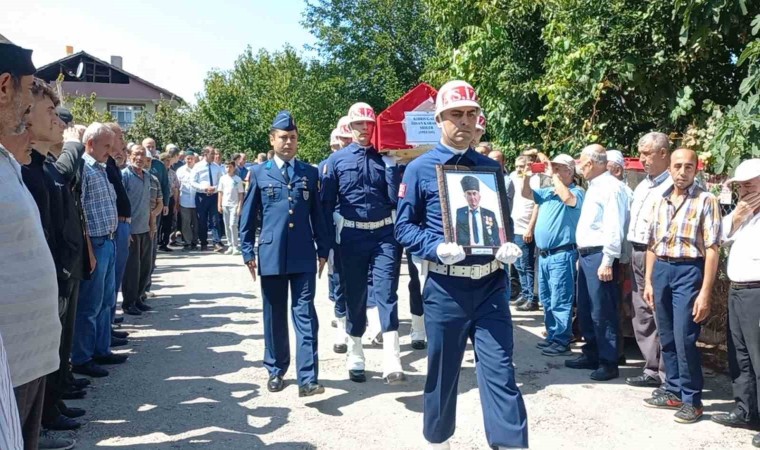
point(126, 115)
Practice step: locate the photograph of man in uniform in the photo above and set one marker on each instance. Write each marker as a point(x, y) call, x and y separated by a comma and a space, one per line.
point(475, 226)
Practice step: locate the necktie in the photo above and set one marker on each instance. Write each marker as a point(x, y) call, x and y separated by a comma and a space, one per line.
point(475, 234)
point(285, 173)
point(210, 176)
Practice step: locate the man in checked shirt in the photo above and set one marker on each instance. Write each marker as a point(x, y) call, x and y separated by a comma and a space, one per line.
point(682, 261)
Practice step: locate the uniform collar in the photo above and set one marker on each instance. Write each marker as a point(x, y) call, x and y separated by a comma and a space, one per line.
point(280, 162)
point(356, 148)
point(444, 153)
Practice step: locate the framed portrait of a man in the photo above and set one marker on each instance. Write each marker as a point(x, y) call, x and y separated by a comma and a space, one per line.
point(474, 207)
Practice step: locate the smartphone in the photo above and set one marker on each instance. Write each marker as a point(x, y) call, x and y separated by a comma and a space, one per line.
point(538, 167)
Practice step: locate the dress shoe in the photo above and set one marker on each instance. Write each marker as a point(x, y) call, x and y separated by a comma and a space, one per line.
point(54, 443)
point(79, 383)
point(310, 389)
point(61, 423)
point(543, 344)
point(528, 306)
point(119, 334)
point(70, 412)
point(144, 307)
point(275, 384)
point(643, 381)
point(111, 358)
point(604, 373)
point(340, 348)
point(419, 345)
point(90, 369)
point(581, 362)
point(116, 342)
point(756, 440)
point(118, 320)
point(73, 394)
point(733, 419)
point(133, 311)
point(395, 378)
point(357, 376)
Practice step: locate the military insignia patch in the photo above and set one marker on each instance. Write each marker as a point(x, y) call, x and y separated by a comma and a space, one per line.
point(402, 190)
point(305, 194)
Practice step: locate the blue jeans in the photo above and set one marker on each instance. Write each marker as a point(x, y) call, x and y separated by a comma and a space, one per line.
point(122, 253)
point(676, 286)
point(556, 290)
point(526, 269)
point(92, 330)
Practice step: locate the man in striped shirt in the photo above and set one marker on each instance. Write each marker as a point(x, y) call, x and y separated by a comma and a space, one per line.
point(682, 262)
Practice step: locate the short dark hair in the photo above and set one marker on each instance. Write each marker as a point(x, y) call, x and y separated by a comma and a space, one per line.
point(40, 89)
point(231, 163)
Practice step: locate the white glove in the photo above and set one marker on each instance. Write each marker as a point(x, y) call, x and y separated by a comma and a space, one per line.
point(338, 219)
point(450, 253)
point(508, 253)
point(390, 161)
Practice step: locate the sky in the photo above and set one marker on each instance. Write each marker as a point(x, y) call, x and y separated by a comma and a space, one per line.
point(170, 43)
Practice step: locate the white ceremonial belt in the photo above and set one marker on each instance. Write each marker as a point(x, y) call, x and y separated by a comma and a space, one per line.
point(368, 225)
point(474, 272)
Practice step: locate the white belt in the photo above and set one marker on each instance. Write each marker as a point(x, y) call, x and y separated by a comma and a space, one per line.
point(368, 225)
point(474, 272)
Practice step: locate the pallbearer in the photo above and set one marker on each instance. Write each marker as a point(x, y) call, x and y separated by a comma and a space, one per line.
point(363, 185)
point(285, 190)
point(465, 296)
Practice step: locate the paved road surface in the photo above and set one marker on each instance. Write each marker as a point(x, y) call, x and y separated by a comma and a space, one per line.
point(195, 380)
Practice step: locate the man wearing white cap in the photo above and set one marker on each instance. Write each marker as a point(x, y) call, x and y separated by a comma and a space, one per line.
point(360, 190)
point(465, 295)
point(741, 230)
point(558, 216)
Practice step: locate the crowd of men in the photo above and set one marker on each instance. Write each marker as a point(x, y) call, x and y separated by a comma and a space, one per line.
point(88, 213)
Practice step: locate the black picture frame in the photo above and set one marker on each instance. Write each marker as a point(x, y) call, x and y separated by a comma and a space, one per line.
point(492, 207)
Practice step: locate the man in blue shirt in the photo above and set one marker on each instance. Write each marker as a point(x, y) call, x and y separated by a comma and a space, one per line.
point(285, 191)
point(558, 216)
point(363, 186)
point(466, 296)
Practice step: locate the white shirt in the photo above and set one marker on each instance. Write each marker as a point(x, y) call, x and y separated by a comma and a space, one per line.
point(186, 191)
point(29, 298)
point(522, 209)
point(279, 162)
point(645, 196)
point(478, 219)
point(231, 187)
point(743, 259)
point(603, 217)
point(200, 176)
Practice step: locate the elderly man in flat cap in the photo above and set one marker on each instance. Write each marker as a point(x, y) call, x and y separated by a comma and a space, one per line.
point(29, 297)
point(476, 226)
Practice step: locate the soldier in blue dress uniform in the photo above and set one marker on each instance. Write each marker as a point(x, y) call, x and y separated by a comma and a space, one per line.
point(363, 186)
point(464, 296)
point(286, 191)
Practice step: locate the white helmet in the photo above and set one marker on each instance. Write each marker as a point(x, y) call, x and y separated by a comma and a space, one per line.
point(334, 138)
point(455, 94)
point(361, 112)
point(481, 125)
point(343, 129)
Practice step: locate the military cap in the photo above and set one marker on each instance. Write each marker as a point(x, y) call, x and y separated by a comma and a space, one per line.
point(470, 183)
point(284, 121)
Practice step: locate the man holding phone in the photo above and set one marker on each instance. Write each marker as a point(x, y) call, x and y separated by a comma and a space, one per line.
point(558, 216)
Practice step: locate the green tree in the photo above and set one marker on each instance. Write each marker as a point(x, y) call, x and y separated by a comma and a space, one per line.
point(172, 123)
point(381, 46)
point(240, 104)
point(84, 111)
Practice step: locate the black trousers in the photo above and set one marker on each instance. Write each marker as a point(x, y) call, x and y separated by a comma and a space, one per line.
point(29, 397)
point(744, 349)
point(137, 273)
point(67, 332)
point(167, 225)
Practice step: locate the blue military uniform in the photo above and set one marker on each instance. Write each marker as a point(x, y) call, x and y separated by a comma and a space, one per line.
point(292, 222)
point(460, 307)
point(335, 287)
point(357, 182)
